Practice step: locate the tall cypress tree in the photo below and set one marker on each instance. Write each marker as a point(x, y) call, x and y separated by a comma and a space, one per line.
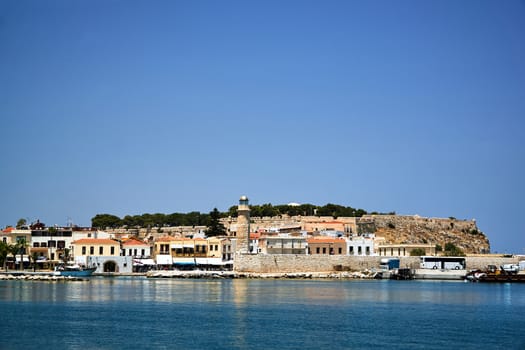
point(215, 228)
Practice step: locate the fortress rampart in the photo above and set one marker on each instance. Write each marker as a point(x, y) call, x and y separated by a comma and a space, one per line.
point(322, 263)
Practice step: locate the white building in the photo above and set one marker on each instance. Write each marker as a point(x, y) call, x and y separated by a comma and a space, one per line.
point(360, 246)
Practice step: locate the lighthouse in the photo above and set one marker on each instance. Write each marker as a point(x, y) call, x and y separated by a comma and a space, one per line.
point(243, 225)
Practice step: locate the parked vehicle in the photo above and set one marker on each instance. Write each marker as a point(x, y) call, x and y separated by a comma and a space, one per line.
point(443, 262)
point(389, 264)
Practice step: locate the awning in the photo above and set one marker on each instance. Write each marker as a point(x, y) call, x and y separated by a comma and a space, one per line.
point(176, 246)
point(212, 261)
point(141, 262)
point(26, 259)
point(182, 261)
point(164, 260)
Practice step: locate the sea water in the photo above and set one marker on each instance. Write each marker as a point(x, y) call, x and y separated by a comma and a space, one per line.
point(140, 313)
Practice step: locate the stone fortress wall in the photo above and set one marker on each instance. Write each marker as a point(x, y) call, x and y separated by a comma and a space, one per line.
point(288, 263)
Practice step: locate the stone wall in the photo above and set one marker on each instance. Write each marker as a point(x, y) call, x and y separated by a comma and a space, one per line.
point(328, 263)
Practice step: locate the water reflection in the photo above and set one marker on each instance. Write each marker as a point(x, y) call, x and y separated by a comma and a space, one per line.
point(259, 292)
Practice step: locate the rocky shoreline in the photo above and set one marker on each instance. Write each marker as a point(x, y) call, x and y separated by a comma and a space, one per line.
point(367, 274)
point(40, 277)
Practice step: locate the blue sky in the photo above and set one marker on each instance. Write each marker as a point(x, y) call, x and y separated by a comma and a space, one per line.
point(131, 107)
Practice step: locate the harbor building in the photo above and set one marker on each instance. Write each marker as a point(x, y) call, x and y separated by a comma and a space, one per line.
point(105, 254)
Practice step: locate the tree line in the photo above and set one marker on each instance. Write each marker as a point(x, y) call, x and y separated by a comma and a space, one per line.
point(196, 218)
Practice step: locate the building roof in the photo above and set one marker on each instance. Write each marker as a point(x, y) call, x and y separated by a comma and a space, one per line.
point(134, 242)
point(325, 240)
point(178, 239)
point(95, 241)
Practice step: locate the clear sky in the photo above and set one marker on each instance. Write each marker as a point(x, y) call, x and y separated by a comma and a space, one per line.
point(132, 107)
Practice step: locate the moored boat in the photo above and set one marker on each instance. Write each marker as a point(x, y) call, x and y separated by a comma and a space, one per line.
point(492, 274)
point(74, 270)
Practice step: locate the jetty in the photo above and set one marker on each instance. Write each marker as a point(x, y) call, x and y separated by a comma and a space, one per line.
point(38, 276)
point(367, 274)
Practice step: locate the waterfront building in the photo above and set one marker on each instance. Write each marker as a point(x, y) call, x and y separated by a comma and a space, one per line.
point(183, 252)
point(404, 249)
point(136, 248)
point(361, 245)
point(282, 244)
point(12, 235)
point(50, 243)
point(140, 252)
point(104, 253)
point(326, 246)
point(254, 242)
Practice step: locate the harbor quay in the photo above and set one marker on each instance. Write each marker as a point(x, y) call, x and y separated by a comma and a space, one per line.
point(288, 266)
point(285, 263)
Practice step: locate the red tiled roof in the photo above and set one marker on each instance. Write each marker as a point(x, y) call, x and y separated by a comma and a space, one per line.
point(133, 242)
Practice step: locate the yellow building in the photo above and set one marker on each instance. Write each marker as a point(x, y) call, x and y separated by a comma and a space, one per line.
point(95, 247)
point(220, 248)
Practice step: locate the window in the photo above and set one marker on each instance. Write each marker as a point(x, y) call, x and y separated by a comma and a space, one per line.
point(317, 250)
point(100, 250)
point(359, 250)
point(112, 251)
point(340, 251)
point(367, 250)
point(91, 250)
point(83, 250)
point(324, 250)
point(351, 251)
point(52, 244)
point(134, 252)
point(36, 245)
point(61, 244)
point(143, 252)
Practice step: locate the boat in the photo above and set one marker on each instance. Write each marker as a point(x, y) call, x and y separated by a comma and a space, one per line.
point(74, 270)
point(492, 274)
point(402, 274)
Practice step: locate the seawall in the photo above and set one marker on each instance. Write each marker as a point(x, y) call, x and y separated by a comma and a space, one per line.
point(329, 263)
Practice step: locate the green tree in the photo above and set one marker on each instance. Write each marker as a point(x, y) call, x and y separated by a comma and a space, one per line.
point(66, 255)
point(215, 227)
point(452, 250)
point(34, 258)
point(103, 221)
point(5, 249)
point(21, 246)
point(417, 252)
point(20, 223)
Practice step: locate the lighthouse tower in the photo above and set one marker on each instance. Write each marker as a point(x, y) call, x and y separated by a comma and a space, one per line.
point(243, 225)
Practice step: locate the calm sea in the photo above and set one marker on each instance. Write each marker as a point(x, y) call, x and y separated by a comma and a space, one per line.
point(140, 313)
